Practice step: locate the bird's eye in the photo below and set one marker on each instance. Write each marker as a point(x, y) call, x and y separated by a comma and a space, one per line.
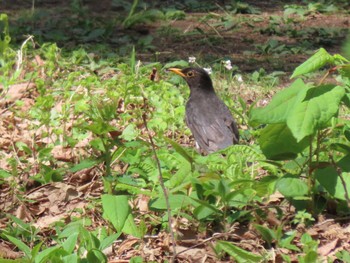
point(190, 74)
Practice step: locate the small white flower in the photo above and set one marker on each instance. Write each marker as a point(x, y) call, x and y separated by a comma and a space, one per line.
point(208, 70)
point(191, 59)
point(239, 78)
point(264, 102)
point(228, 65)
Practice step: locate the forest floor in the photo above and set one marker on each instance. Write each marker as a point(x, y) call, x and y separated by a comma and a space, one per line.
point(267, 40)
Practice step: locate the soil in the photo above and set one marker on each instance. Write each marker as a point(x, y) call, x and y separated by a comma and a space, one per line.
point(243, 43)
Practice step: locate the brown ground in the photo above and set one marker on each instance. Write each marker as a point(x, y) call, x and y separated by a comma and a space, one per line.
point(54, 201)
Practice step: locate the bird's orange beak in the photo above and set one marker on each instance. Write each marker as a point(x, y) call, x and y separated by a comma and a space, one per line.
point(177, 71)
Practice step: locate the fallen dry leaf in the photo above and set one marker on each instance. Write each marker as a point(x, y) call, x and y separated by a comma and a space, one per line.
point(326, 249)
point(16, 92)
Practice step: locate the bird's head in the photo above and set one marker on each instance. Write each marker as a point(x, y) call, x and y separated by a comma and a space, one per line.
point(196, 78)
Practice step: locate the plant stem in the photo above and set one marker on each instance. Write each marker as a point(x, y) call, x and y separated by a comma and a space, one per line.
point(161, 181)
point(311, 180)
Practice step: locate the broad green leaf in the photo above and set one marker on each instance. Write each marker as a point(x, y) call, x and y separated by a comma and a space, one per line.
point(71, 229)
point(4, 174)
point(277, 142)
point(311, 257)
point(319, 105)
point(137, 259)
point(237, 253)
point(292, 186)
point(95, 255)
point(182, 175)
point(108, 241)
point(89, 240)
point(343, 255)
point(175, 201)
point(346, 133)
point(286, 241)
point(130, 133)
point(134, 189)
point(45, 254)
point(179, 149)
point(36, 249)
point(203, 212)
point(281, 104)
point(318, 60)
point(330, 180)
point(205, 209)
point(344, 163)
point(18, 243)
point(131, 228)
point(69, 244)
point(71, 259)
point(267, 234)
point(84, 164)
point(340, 59)
point(340, 147)
point(94, 34)
point(116, 209)
point(178, 63)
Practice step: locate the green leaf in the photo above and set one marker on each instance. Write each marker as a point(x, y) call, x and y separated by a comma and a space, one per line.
point(116, 209)
point(72, 228)
point(69, 244)
point(179, 149)
point(344, 163)
point(131, 228)
point(318, 60)
point(36, 249)
point(314, 112)
point(281, 104)
point(71, 259)
point(21, 246)
point(343, 255)
point(95, 255)
point(340, 147)
point(237, 253)
point(4, 174)
point(84, 164)
point(89, 240)
point(346, 133)
point(268, 235)
point(277, 142)
point(286, 241)
point(130, 133)
point(108, 241)
point(292, 186)
point(311, 257)
point(330, 180)
point(182, 176)
point(95, 34)
point(45, 254)
point(178, 63)
point(175, 201)
point(137, 259)
point(134, 189)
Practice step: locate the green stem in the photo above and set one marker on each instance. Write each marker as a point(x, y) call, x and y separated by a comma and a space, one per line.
point(310, 178)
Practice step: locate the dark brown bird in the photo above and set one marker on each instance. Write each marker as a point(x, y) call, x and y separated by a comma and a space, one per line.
point(207, 116)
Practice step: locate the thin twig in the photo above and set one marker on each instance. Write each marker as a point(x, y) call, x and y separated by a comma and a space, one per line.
point(340, 174)
point(161, 181)
point(213, 237)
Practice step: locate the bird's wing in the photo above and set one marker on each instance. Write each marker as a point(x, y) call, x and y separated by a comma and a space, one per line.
point(212, 128)
point(230, 122)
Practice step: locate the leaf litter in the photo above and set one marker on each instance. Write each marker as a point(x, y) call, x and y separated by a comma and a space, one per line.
point(58, 201)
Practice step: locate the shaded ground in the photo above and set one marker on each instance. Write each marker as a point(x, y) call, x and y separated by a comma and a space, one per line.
point(252, 41)
point(244, 40)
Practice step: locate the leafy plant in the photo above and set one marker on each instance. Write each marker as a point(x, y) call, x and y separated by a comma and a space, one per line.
point(301, 120)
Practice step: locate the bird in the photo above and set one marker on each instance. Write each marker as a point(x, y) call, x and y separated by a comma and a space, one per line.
point(207, 116)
